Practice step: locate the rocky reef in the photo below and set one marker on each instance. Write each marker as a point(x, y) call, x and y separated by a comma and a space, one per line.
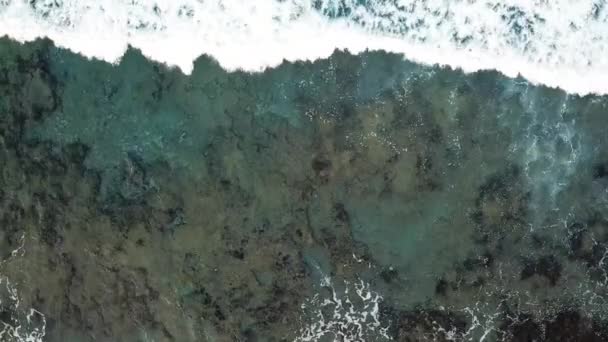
point(357, 198)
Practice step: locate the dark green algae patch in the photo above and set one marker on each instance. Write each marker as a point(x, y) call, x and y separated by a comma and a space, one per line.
point(140, 204)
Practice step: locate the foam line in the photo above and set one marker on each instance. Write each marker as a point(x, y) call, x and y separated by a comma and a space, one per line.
point(558, 43)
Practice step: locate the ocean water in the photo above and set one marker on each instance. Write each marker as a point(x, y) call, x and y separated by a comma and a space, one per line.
point(303, 171)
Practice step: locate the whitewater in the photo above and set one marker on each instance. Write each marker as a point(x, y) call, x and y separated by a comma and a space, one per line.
point(558, 43)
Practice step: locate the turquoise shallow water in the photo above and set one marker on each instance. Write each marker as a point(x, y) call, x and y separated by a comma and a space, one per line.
point(356, 198)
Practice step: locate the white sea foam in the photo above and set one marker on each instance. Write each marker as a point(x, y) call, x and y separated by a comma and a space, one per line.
point(345, 315)
point(23, 324)
point(559, 43)
point(29, 324)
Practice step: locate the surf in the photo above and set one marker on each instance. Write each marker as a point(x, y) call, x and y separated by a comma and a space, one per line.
point(560, 44)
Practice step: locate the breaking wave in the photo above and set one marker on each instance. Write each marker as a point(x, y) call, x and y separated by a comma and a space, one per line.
point(560, 43)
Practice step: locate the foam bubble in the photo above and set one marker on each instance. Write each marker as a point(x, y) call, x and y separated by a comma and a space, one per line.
point(562, 43)
point(345, 315)
point(19, 324)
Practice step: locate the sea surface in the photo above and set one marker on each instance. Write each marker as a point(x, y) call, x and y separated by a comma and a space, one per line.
point(284, 170)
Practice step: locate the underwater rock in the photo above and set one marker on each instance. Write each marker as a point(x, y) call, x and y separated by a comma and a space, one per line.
point(564, 326)
point(424, 325)
point(502, 202)
point(545, 266)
